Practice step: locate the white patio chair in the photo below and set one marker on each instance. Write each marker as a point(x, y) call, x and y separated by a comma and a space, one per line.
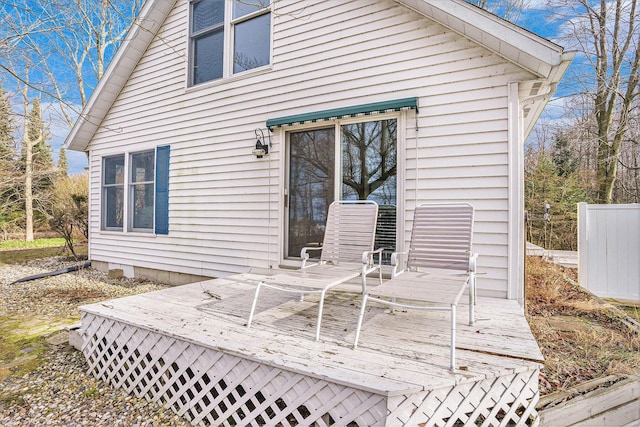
point(347, 252)
point(439, 266)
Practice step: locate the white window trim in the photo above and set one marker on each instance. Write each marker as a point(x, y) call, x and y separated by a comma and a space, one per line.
point(130, 193)
point(127, 219)
point(227, 65)
point(103, 205)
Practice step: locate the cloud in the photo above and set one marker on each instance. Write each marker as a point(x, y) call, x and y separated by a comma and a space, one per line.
point(537, 5)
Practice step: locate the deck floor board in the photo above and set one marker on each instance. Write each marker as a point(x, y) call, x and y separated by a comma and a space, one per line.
point(397, 352)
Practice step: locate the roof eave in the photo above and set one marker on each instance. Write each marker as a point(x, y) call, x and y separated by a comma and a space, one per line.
point(142, 32)
point(538, 103)
point(531, 52)
point(524, 48)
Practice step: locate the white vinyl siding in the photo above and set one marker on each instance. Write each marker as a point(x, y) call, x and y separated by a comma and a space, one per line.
point(226, 206)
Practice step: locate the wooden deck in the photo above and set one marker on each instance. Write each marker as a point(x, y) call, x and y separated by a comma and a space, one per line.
point(168, 345)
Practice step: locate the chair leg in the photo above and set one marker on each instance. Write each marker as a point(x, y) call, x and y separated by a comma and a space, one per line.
point(253, 304)
point(360, 317)
point(452, 361)
point(475, 290)
point(320, 307)
point(472, 299)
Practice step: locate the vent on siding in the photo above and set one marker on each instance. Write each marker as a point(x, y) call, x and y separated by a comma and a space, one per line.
point(535, 88)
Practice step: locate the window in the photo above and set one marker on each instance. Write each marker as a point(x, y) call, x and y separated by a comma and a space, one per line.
point(228, 37)
point(141, 197)
point(113, 193)
point(364, 168)
point(143, 203)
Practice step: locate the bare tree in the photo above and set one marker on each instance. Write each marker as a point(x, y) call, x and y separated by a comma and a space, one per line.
point(37, 164)
point(28, 178)
point(59, 51)
point(607, 33)
point(511, 10)
point(10, 35)
point(69, 209)
point(69, 43)
point(369, 158)
point(627, 189)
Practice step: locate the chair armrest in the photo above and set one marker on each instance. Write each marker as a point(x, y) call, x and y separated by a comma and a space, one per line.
point(367, 257)
point(305, 256)
point(395, 263)
point(369, 266)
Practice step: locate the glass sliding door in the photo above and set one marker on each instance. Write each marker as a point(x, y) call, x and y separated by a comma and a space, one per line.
point(369, 172)
point(369, 161)
point(367, 169)
point(311, 186)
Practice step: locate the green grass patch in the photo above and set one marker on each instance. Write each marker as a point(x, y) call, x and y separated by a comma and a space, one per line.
point(19, 349)
point(91, 393)
point(24, 255)
point(23, 340)
point(39, 243)
point(632, 311)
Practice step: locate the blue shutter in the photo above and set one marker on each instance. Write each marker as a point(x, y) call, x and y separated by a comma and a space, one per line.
point(162, 190)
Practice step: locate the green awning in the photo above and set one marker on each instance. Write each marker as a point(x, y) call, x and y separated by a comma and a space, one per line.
point(339, 113)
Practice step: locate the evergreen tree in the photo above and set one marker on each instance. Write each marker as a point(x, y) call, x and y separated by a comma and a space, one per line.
point(9, 180)
point(42, 157)
point(545, 184)
point(564, 157)
point(63, 165)
point(7, 152)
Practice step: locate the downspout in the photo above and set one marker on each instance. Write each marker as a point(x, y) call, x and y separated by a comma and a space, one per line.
point(517, 252)
point(515, 269)
point(84, 265)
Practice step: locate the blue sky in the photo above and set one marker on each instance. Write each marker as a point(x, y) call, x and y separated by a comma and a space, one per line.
point(59, 130)
point(540, 20)
point(537, 18)
point(41, 49)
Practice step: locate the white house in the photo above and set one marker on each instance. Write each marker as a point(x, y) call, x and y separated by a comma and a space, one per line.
point(401, 101)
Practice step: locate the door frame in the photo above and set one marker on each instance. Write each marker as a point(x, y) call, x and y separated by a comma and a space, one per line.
point(401, 154)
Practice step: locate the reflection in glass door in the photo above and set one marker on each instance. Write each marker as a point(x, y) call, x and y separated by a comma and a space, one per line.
point(369, 161)
point(368, 169)
point(369, 172)
point(311, 186)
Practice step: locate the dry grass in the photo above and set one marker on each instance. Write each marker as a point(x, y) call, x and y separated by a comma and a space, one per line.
point(581, 337)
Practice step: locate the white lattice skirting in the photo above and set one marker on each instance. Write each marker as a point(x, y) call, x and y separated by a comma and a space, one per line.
point(210, 387)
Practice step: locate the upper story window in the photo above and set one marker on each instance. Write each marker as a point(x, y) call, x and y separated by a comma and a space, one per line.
point(228, 37)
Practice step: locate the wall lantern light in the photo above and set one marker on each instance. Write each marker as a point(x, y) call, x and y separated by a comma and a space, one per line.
point(262, 148)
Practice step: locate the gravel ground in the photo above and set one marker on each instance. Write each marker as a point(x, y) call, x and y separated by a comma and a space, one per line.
point(59, 392)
